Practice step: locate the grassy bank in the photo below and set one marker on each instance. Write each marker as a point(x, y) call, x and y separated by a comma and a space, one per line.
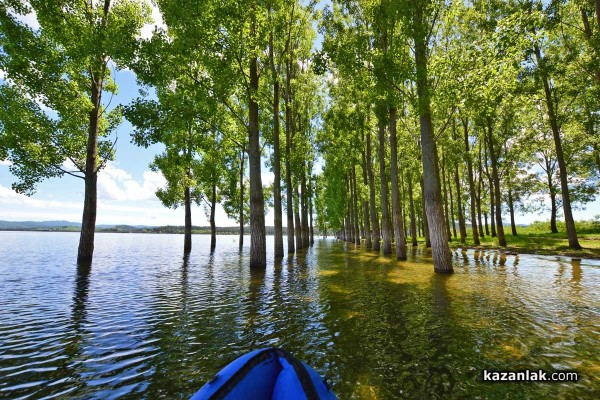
point(537, 239)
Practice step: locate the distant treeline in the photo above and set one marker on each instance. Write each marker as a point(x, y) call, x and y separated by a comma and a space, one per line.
point(203, 230)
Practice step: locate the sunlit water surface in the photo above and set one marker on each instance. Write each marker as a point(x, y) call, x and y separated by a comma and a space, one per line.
point(145, 324)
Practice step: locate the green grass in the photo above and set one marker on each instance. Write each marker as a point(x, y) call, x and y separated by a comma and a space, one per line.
point(537, 239)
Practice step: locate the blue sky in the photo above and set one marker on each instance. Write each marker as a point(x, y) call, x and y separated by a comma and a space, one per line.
point(126, 187)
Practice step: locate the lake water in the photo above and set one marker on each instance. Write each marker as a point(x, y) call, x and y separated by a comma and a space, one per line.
point(145, 324)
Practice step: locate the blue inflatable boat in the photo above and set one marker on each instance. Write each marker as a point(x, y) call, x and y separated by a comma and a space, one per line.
point(269, 373)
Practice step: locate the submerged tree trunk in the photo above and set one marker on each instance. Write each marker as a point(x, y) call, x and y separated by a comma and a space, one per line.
point(187, 229)
point(424, 218)
point(562, 166)
point(448, 216)
point(258, 248)
point(491, 187)
point(85, 251)
point(496, 178)
point(442, 258)
point(373, 210)
point(276, 157)
point(399, 238)
point(387, 234)
point(241, 205)
point(366, 219)
point(289, 196)
point(310, 209)
point(297, 221)
point(413, 219)
point(479, 195)
point(355, 206)
point(304, 209)
point(213, 226)
point(474, 227)
point(461, 218)
point(451, 210)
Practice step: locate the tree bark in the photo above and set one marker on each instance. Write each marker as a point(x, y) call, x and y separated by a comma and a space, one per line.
point(399, 238)
point(496, 178)
point(413, 218)
point(442, 258)
point(474, 226)
point(387, 234)
point(451, 207)
point(374, 216)
point(562, 167)
point(258, 249)
point(276, 156)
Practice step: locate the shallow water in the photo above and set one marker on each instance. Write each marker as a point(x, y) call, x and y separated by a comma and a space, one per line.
point(145, 324)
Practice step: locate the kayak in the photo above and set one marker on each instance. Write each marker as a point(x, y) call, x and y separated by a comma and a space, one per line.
point(269, 373)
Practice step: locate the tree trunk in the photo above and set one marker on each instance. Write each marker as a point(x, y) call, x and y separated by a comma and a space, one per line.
point(552, 191)
point(289, 126)
point(355, 206)
point(276, 157)
point(373, 211)
point(413, 219)
point(387, 234)
point(461, 218)
point(399, 238)
point(258, 249)
point(424, 218)
point(367, 222)
point(474, 226)
point(241, 206)
point(495, 177)
point(304, 208)
point(451, 209)
point(491, 188)
point(213, 226)
point(298, 223)
point(85, 251)
point(442, 258)
point(511, 208)
point(562, 167)
point(447, 215)
point(310, 209)
point(479, 191)
point(187, 229)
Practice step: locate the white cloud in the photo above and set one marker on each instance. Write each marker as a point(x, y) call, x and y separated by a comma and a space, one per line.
point(10, 197)
point(148, 29)
point(29, 20)
point(117, 184)
point(267, 178)
point(5, 162)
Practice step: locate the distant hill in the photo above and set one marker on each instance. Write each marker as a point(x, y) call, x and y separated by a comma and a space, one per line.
point(24, 225)
point(66, 226)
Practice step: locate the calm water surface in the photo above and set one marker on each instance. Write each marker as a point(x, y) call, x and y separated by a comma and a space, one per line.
point(146, 324)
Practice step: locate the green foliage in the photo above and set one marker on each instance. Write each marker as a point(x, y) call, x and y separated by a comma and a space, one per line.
point(46, 95)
